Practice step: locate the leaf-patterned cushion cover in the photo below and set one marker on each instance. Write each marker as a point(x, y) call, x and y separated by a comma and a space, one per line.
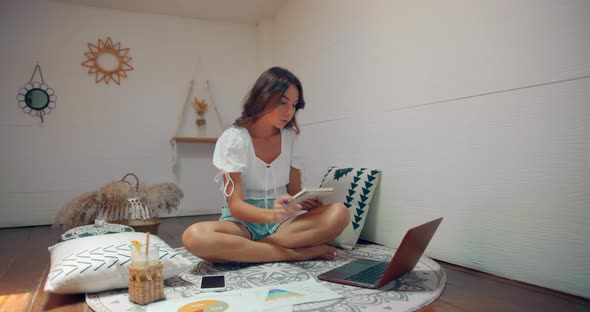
point(94, 230)
point(355, 188)
point(97, 263)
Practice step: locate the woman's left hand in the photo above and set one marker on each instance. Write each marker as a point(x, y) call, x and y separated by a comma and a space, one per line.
point(312, 203)
point(283, 208)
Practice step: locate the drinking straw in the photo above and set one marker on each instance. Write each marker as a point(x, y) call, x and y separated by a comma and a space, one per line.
point(147, 244)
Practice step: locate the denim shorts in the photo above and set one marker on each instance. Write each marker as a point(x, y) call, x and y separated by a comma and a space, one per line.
point(257, 230)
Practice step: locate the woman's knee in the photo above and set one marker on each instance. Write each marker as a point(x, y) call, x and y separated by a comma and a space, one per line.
point(336, 217)
point(196, 239)
point(339, 216)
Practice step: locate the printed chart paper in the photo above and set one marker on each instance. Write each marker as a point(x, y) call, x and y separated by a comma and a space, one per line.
point(294, 293)
point(275, 298)
point(231, 301)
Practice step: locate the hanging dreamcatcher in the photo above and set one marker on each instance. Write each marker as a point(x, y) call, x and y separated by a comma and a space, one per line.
point(36, 98)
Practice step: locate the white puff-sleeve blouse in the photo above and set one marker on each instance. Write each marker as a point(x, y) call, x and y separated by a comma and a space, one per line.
point(234, 152)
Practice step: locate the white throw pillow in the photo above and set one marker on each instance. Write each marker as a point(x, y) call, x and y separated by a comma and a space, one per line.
point(355, 188)
point(97, 263)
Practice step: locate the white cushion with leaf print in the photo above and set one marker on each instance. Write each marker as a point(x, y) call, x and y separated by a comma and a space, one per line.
point(97, 263)
point(355, 188)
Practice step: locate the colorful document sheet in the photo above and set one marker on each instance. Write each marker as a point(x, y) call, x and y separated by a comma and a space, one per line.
point(275, 298)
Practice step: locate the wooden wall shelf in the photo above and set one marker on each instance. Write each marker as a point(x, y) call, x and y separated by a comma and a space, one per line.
point(195, 139)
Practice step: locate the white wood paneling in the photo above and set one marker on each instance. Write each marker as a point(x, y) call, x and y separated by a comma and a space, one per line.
point(509, 173)
point(357, 56)
point(196, 174)
point(97, 133)
point(476, 111)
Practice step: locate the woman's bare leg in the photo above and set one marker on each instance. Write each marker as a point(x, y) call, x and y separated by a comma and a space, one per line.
point(316, 227)
point(226, 241)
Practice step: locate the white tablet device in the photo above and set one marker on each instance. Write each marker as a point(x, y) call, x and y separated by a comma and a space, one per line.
point(312, 192)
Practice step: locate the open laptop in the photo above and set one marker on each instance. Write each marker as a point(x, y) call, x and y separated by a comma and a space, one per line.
point(371, 273)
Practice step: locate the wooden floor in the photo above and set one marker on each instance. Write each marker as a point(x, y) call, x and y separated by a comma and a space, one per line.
point(24, 263)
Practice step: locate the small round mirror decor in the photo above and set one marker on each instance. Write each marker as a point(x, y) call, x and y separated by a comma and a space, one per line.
point(107, 61)
point(36, 98)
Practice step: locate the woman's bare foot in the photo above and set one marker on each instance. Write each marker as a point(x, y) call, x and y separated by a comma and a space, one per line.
point(317, 252)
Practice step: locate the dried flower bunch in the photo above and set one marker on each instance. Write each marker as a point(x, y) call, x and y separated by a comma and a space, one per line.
point(199, 106)
point(162, 196)
point(112, 199)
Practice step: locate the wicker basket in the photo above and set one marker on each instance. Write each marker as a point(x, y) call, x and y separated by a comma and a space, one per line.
point(135, 213)
point(146, 285)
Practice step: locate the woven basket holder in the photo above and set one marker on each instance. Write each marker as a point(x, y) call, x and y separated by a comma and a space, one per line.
point(122, 215)
point(146, 285)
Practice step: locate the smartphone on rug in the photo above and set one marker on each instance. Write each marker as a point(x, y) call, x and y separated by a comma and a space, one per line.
point(213, 283)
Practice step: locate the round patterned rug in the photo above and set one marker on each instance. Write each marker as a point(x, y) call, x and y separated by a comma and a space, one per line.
point(410, 292)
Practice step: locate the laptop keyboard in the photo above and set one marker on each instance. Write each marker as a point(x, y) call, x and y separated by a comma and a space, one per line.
point(369, 275)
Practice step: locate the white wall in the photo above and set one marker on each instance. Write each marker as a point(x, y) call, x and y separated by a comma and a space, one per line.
point(264, 40)
point(98, 133)
point(476, 111)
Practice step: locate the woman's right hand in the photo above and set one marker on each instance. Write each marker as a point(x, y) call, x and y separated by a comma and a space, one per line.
point(283, 208)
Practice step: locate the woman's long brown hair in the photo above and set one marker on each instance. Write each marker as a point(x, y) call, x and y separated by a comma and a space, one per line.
point(270, 86)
